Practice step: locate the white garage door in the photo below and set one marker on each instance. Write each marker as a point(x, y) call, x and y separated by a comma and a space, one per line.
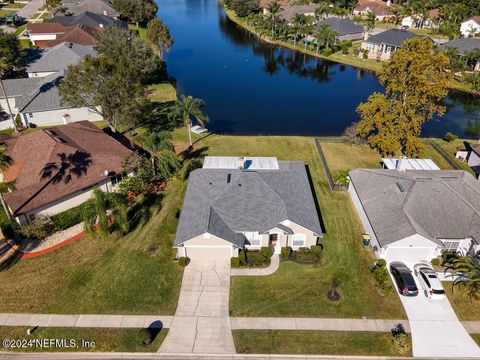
point(209, 254)
point(409, 254)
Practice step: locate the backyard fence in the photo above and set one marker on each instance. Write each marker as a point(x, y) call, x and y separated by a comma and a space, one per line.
point(333, 186)
point(443, 154)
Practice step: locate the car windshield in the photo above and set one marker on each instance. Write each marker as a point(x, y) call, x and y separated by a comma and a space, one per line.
point(408, 279)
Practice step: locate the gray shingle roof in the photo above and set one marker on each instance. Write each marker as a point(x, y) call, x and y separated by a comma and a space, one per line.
point(439, 204)
point(60, 57)
point(463, 45)
point(252, 201)
point(393, 37)
point(342, 26)
point(95, 6)
point(36, 94)
point(89, 19)
point(289, 13)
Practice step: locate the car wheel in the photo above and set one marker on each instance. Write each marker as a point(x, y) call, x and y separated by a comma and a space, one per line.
point(425, 292)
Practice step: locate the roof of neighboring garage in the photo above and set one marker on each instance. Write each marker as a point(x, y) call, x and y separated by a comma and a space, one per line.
point(233, 162)
point(392, 37)
point(437, 204)
point(411, 164)
point(224, 202)
point(342, 26)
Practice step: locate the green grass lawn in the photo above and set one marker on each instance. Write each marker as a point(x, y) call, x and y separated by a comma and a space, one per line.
point(134, 274)
point(467, 309)
point(20, 29)
point(164, 92)
point(452, 147)
point(142, 32)
point(26, 44)
point(13, 6)
point(314, 342)
point(295, 289)
point(348, 156)
point(100, 340)
point(5, 12)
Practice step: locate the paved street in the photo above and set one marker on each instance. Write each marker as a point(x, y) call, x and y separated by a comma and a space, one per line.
point(201, 323)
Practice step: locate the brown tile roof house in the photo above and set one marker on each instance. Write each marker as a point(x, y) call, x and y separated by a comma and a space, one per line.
point(264, 3)
point(58, 33)
point(55, 163)
point(379, 8)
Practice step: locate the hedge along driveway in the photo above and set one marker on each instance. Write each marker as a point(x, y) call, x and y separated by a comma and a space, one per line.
point(134, 274)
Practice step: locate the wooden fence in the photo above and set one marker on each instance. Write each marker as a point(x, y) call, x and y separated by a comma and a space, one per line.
point(333, 186)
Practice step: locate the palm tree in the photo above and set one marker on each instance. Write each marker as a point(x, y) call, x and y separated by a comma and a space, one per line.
point(2, 74)
point(467, 272)
point(370, 21)
point(321, 10)
point(5, 162)
point(298, 23)
point(162, 155)
point(325, 36)
point(274, 9)
point(187, 107)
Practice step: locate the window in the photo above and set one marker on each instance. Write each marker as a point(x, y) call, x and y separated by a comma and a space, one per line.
point(30, 115)
point(298, 240)
point(451, 245)
point(253, 237)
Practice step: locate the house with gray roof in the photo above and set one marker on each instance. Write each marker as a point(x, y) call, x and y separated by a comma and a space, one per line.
point(346, 29)
point(414, 215)
point(464, 46)
point(382, 45)
point(37, 101)
point(89, 19)
point(471, 156)
point(49, 61)
point(236, 202)
point(77, 7)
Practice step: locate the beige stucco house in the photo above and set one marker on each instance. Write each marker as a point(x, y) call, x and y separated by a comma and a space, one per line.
point(234, 203)
point(382, 45)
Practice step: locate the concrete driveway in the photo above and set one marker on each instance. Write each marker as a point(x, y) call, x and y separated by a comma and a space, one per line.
point(201, 323)
point(435, 328)
point(31, 8)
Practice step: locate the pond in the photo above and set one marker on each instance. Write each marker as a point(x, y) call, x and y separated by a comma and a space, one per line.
point(252, 88)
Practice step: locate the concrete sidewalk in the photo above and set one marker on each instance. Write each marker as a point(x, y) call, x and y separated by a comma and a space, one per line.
point(373, 325)
point(274, 264)
point(86, 321)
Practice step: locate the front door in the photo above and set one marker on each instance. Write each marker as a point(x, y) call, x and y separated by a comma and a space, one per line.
point(272, 242)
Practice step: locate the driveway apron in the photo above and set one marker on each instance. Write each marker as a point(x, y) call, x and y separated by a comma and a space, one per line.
point(201, 322)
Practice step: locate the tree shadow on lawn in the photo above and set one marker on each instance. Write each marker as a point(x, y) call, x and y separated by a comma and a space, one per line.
point(7, 260)
point(315, 199)
point(143, 211)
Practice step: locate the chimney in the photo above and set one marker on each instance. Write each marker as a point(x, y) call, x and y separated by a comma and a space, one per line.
point(67, 119)
point(402, 163)
point(240, 162)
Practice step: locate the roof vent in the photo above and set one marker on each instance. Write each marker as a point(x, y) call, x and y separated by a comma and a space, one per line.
point(239, 184)
point(229, 178)
point(400, 186)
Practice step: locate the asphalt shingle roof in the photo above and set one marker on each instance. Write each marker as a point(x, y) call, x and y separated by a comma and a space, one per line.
point(393, 37)
point(342, 26)
point(438, 204)
point(89, 19)
point(289, 13)
point(463, 45)
point(250, 201)
point(94, 6)
point(60, 57)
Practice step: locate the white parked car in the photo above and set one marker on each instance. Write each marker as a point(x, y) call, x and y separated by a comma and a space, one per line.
point(428, 279)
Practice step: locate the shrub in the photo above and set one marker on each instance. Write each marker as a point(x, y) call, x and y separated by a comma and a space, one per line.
point(345, 48)
point(381, 276)
point(316, 249)
point(235, 262)
point(242, 257)
point(365, 54)
point(286, 252)
point(448, 256)
point(381, 263)
point(183, 261)
point(327, 52)
point(39, 228)
point(436, 262)
point(266, 251)
point(68, 218)
point(132, 184)
point(342, 177)
point(449, 137)
point(306, 257)
point(256, 258)
point(402, 344)
point(189, 166)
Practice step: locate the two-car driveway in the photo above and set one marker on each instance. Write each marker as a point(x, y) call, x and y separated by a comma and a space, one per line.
point(435, 328)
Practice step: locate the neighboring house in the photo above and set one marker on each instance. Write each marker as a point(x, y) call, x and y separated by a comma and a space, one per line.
point(464, 46)
point(86, 155)
point(346, 29)
point(471, 156)
point(470, 27)
point(378, 7)
point(420, 22)
point(88, 19)
point(102, 7)
point(382, 45)
point(234, 203)
point(37, 100)
point(263, 5)
point(415, 215)
point(289, 13)
point(52, 60)
point(403, 163)
point(45, 35)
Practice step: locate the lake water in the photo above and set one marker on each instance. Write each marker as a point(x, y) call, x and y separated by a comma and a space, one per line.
point(253, 88)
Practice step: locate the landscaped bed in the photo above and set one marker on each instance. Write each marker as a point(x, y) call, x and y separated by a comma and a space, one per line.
point(314, 342)
point(84, 339)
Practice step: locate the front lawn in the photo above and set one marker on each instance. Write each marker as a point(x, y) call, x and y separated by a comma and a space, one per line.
point(164, 92)
point(314, 342)
point(87, 339)
point(134, 274)
point(467, 309)
point(300, 290)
